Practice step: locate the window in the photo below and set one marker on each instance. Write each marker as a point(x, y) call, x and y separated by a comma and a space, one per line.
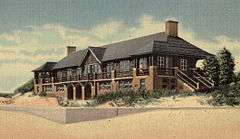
point(69, 72)
point(183, 64)
point(64, 73)
point(97, 69)
point(74, 72)
point(161, 61)
point(125, 65)
point(79, 71)
point(59, 74)
point(109, 68)
point(143, 63)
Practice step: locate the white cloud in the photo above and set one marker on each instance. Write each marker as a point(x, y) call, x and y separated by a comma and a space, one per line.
point(23, 50)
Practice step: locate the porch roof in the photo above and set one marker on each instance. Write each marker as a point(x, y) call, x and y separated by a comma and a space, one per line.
point(48, 66)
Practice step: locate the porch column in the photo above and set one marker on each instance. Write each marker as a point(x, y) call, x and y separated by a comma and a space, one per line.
point(53, 86)
point(65, 91)
point(92, 90)
point(54, 89)
point(135, 81)
point(74, 92)
point(97, 85)
point(151, 79)
point(112, 74)
point(40, 86)
point(83, 93)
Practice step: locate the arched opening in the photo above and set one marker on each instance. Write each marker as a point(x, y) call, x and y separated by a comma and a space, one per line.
point(78, 92)
point(70, 92)
point(88, 90)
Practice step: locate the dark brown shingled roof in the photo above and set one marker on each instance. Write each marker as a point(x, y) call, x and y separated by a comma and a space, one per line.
point(98, 52)
point(48, 66)
point(74, 59)
point(147, 45)
point(127, 48)
point(154, 43)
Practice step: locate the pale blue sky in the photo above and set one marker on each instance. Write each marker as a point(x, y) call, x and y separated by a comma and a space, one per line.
point(35, 31)
point(206, 17)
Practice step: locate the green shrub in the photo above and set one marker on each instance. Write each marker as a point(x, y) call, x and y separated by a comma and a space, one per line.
point(131, 97)
point(43, 94)
point(26, 87)
point(6, 95)
point(226, 95)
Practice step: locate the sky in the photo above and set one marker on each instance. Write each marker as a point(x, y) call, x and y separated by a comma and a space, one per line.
point(35, 31)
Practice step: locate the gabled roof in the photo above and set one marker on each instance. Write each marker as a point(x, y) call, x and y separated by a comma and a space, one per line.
point(173, 49)
point(154, 43)
point(98, 52)
point(74, 59)
point(158, 43)
point(127, 48)
point(48, 66)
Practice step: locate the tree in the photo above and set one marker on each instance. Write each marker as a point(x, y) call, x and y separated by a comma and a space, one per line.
point(212, 69)
point(26, 87)
point(226, 63)
point(237, 77)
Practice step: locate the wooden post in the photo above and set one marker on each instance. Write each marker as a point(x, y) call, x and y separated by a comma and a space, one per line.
point(83, 93)
point(92, 90)
point(74, 92)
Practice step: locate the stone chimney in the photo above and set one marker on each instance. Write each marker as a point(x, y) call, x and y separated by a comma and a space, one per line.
point(171, 28)
point(71, 49)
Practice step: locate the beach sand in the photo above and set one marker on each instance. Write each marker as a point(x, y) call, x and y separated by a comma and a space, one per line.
point(160, 124)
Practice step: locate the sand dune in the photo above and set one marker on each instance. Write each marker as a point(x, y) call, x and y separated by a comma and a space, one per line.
point(166, 124)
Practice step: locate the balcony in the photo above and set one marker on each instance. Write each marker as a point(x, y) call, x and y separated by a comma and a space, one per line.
point(94, 76)
point(103, 75)
point(142, 72)
point(46, 80)
point(121, 74)
point(165, 71)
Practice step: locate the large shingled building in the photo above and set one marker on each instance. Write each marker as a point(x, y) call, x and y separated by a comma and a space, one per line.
point(153, 62)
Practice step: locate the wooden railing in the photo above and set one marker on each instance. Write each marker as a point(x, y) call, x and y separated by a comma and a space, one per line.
point(46, 80)
point(165, 71)
point(142, 72)
point(103, 75)
point(203, 80)
point(184, 77)
point(124, 74)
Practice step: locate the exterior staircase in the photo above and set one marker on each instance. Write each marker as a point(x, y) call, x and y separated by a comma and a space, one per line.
point(194, 80)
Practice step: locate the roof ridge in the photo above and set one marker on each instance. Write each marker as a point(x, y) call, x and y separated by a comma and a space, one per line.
point(122, 41)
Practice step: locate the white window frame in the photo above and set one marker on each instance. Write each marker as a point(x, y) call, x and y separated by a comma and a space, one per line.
point(109, 68)
point(79, 71)
point(183, 64)
point(161, 61)
point(144, 62)
point(125, 65)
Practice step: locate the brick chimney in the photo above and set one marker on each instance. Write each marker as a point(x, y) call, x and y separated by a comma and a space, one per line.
point(71, 49)
point(171, 28)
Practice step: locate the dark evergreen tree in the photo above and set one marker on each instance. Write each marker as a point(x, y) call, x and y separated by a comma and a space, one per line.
point(212, 69)
point(226, 63)
point(237, 77)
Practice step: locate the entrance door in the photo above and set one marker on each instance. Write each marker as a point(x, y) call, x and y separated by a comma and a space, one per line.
point(70, 92)
point(78, 92)
point(88, 91)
